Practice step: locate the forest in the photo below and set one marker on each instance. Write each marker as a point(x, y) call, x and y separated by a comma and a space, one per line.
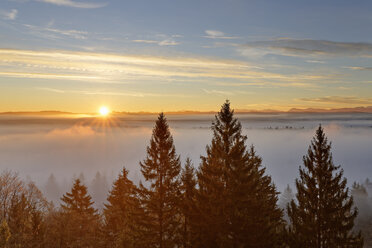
point(228, 200)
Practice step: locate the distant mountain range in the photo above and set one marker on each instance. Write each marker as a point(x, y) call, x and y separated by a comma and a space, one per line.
point(367, 109)
point(338, 110)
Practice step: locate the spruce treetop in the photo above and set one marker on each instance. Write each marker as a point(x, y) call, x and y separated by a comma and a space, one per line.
point(161, 159)
point(226, 128)
point(122, 193)
point(78, 200)
point(322, 214)
point(161, 169)
point(236, 200)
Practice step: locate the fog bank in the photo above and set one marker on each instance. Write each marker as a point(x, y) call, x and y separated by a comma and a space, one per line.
point(67, 147)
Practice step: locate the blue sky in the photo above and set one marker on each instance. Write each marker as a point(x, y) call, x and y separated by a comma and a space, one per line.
point(184, 55)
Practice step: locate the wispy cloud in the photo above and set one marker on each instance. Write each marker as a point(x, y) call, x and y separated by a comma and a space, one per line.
point(146, 41)
point(51, 90)
point(168, 42)
point(160, 43)
point(75, 4)
point(215, 34)
point(9, 15)
point(51, 32)
point(42, 75)
point(100, 67)
point(315, 61)
point(85, 92)
point(111, 93)
point(218, 92)
point(358, 68)
point(307, 47)
point(339, 100)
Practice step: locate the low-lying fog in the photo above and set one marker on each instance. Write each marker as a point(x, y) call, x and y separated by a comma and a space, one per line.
point(69, 147)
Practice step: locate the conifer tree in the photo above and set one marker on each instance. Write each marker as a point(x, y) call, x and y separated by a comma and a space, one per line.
point(322, 214)
point(237, 202)
point(368, 185)
point(52, 190)
point(363, 221)
point(160, 199)
point(99, 189)
point(188, 191)
point(122, 222)
point(285, 198)
point(79, 218)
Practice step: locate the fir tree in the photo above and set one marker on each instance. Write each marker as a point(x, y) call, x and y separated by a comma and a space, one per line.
point(363, 221)
point(285, 198)
point(237, 202)
point(322, 214)
point(79, 218)
point(188, 190)
point(368, 185)
point(122, 214)
point(51, 189)
point(161, 170)
point(99, 189)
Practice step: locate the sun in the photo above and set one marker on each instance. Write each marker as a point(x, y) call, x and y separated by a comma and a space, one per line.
point(104, 111)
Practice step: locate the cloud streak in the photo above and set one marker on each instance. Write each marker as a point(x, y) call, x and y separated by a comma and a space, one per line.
point(50, 32)
point(111, 93)
point(339, 100)
point(215, 34)
point(166, 42)
point(74, 4)
point(50, 76)
point(308, 47)
point(218, 92)
point(100, 67)
point(359, 68)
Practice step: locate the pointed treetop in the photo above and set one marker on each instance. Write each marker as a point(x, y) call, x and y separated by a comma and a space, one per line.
point(188, 172)
point(323, 210)
point(320, 136)
point(288, 188)
point(226, 113)
point(78, 200)
point(161, 120)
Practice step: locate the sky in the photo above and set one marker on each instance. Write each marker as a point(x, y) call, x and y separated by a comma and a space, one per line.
point(172, 55)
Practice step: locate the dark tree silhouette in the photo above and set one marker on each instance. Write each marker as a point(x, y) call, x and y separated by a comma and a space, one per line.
point(237, 202)
point(79, 219)
point(161, 198)
point(322, 214)
point(122, 214)
point(188, 190)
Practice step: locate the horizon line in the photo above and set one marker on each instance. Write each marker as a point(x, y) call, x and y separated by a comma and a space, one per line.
point(361, 109)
